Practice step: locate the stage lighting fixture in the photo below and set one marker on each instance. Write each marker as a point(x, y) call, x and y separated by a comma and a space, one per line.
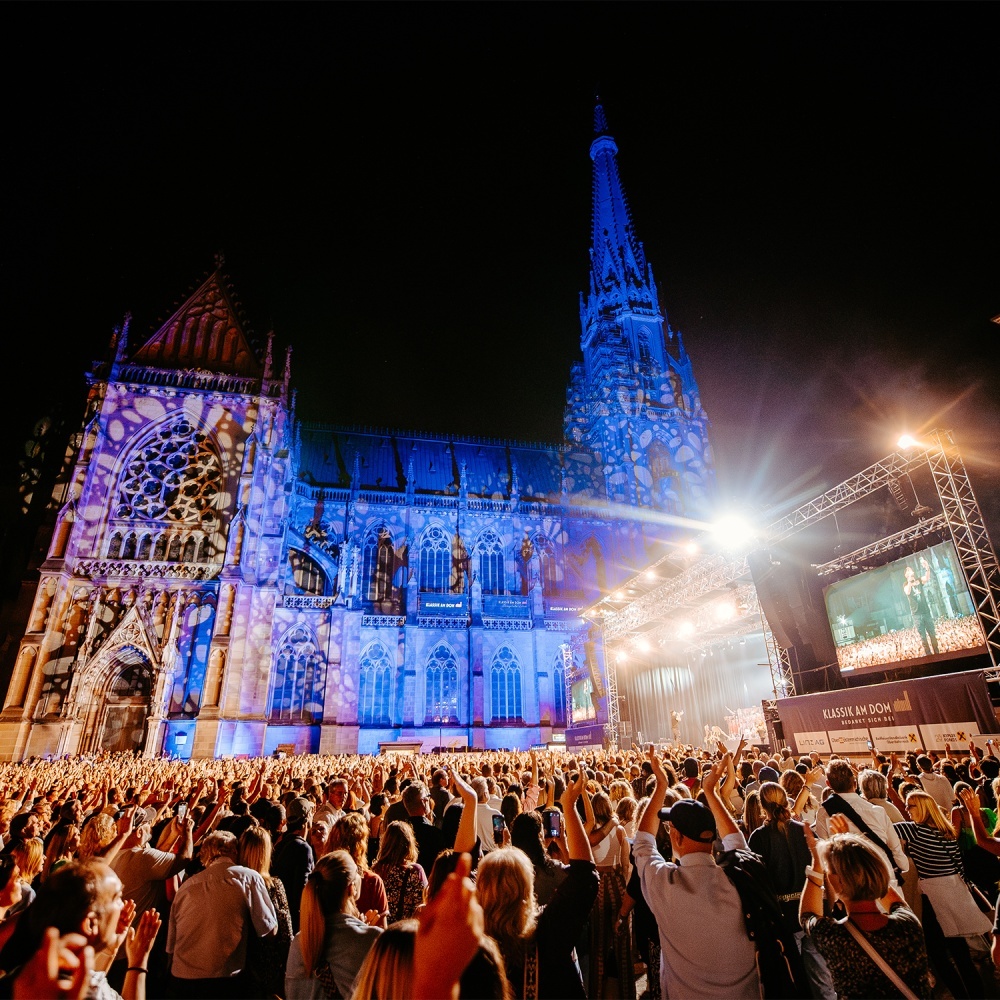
point(732, 531)
point(618, 596)
point(691, 548)
point(643, 646)
point(685, 628)
point(906, 441)
point(650, 574)
point(724, 611)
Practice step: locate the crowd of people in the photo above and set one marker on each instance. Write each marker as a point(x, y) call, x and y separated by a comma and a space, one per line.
point(670, 871)
point(951, 635)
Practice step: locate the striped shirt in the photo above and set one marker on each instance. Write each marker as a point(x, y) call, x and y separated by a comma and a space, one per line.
point(932, 853)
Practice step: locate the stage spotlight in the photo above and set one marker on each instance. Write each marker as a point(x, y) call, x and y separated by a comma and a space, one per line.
point(732, 531)
point(691, 549)
point(906, 441)
point(724, 611)
point(650, 574)
point(617, 596)
point(685, 628)
point(643, 646)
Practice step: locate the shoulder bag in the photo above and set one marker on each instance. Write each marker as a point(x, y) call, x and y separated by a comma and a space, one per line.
point(887, 970)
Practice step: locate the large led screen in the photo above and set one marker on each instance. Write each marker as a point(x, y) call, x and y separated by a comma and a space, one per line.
point(913, 609)
point(582, 701)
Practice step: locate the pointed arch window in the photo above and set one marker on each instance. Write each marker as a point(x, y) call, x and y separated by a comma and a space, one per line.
point(559, 688)
point(375, 687)
point(299, 679)
point(307, 575)
point(505, 685)
point(442, 686)
point(435, 561)
point(490, 563)
point(547, 566)
point(378, 559)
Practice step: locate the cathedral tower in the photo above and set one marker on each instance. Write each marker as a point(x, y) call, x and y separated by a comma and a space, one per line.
point(633, 400)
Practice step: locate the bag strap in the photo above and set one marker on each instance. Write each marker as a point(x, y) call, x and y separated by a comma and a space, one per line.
point(844, 807)
point(531, 973)
point(887, 969)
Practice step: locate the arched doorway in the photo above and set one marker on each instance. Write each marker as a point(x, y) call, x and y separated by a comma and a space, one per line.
point(126, 703)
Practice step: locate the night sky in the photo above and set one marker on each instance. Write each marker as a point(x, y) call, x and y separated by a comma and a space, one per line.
point(402, 192)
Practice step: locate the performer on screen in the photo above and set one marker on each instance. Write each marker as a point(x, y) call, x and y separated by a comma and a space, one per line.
point(920, 610)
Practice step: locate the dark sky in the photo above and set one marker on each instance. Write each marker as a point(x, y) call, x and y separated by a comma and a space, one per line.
point(403, 193)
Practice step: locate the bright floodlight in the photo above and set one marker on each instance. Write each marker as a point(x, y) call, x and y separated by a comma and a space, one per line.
point(732, 531)
point(691, 548)
point(685, 628)
point(725, 611)
point(643, 646)
point(906, 441)
point(650, 574)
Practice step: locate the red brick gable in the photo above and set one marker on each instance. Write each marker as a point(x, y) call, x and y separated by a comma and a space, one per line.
point(203, 333)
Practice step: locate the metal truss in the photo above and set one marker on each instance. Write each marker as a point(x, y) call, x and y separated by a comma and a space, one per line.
point(960, 514)
point(782, 677)
point(968, 532)
point(852, 560)
point(613, 726)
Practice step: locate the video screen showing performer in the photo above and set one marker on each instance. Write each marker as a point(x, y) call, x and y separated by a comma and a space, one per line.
point(915, 608)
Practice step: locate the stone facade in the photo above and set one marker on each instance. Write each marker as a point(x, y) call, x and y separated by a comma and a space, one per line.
point(226, 579)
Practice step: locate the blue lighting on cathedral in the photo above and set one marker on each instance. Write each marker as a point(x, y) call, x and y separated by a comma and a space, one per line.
point(227, 579)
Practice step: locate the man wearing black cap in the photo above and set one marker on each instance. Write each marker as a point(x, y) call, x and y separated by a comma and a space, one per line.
point(703, 937)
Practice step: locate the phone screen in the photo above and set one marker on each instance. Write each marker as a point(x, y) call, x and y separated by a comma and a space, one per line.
point(871, 746)
point(498, 827)
point(553, 823)
point(182, 808)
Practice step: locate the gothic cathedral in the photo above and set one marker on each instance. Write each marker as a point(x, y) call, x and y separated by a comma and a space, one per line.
point(225, 579)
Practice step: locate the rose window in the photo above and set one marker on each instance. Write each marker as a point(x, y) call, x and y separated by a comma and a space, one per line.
point(174, 476)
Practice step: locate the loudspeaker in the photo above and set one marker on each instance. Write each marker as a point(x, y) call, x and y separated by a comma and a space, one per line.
point(791, 597)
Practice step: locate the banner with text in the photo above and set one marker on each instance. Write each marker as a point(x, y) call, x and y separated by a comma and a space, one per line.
point(892, 715)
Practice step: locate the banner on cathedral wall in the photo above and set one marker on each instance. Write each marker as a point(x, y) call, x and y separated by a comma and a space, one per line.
point(505, 606)
point(889, 714)
point(444, 604)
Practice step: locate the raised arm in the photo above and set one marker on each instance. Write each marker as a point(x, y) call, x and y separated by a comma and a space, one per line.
point(724, 822)
point(578, 844)
point(465, 838)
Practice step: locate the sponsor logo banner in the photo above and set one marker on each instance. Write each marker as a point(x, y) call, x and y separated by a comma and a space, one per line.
point(505, 606)
point(848, 740)
point(906, 704)
point(954, 734)
point(900, 739)
point(807, 742)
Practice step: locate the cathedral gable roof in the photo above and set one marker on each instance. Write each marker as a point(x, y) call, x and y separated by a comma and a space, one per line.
point(205, 332)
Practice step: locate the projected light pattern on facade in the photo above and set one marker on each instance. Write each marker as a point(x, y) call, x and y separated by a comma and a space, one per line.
point(224, 578)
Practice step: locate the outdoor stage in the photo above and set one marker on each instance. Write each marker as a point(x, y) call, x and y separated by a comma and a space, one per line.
point(731, 634)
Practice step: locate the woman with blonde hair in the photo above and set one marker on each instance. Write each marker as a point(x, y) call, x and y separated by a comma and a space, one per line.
point(949, 912)
point(397, 866)
point(388, 969)
point(753, 815)
point(538, 947)
point(266, 957)
point(350, 833)
point(804, 805)
point(856, 873)
point(97, 834)
point(333, 941)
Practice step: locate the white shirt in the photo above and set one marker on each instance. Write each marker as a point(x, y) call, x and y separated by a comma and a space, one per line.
point(705, 951)
point(484, 825)
point(877, 820)
point(938, 787)
point(213, 915)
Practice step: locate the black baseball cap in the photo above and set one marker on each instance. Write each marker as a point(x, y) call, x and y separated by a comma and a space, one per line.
point(692, 819)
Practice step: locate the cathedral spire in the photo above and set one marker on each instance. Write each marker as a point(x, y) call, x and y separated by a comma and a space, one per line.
point(619, 276)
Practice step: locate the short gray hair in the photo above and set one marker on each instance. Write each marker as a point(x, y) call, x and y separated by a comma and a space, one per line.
point(873, 784)
point(479, 786)
point(217, 844)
